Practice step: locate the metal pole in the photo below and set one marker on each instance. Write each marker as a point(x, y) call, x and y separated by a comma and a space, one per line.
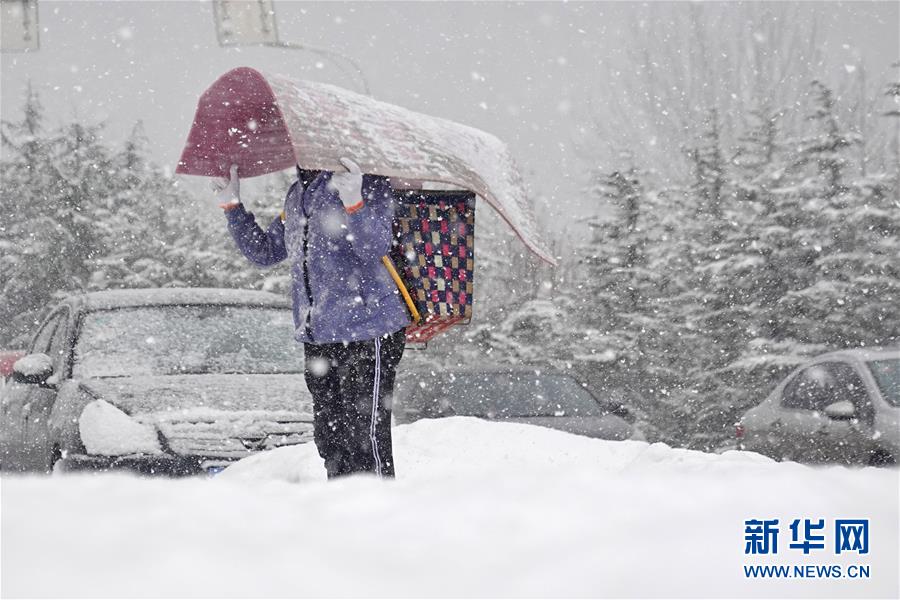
point(264, 32)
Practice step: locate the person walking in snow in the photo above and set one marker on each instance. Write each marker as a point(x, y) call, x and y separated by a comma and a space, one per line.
point(348, 314)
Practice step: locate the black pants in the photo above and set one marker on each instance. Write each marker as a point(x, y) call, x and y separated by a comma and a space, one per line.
point(351, 385)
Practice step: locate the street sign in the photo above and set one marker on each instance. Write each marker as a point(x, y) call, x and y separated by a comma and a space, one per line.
point(18, 25)
point(245, 22)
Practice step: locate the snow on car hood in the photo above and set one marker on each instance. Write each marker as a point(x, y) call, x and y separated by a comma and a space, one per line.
point(184, 394)
point(225, 416)
point(226, 392)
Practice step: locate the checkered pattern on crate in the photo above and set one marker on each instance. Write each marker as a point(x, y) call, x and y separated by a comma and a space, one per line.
point(437, 233)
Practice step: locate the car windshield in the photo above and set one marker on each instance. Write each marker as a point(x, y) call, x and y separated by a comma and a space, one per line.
point(172, 340)
point(501, 395)
point(887, 375)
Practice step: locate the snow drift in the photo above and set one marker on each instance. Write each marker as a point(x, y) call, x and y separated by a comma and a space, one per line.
point(479, 508)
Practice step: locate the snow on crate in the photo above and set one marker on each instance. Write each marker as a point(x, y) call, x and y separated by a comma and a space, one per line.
point(478, 509)
point(294, 121)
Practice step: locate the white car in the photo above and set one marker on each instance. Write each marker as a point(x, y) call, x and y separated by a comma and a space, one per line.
point(839, 407)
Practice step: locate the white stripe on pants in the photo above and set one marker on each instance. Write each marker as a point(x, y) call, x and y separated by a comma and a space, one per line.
point(375, 391)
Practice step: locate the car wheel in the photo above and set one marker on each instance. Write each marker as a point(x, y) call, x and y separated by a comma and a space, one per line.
point(880, 458)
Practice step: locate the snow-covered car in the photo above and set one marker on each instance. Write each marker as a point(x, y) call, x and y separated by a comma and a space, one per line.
point(522, 395)
point(168, 381)
point(839, 407)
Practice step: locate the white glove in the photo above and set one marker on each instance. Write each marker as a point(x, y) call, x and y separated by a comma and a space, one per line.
point(228, 191)
point(348, 185)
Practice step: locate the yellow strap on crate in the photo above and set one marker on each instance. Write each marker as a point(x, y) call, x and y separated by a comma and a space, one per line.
point(403, 291)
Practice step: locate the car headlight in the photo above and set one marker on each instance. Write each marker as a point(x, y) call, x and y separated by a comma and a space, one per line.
point(108, 431)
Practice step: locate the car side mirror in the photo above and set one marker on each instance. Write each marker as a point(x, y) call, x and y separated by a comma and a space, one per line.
point(33, 369)
point(841, 411)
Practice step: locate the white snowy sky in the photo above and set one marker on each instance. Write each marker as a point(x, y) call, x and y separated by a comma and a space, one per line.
point(534, 74)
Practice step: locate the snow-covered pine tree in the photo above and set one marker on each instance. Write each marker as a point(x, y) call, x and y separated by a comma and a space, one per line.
point(22, 169)
point(826, 148)
point(129, 218)
point(52, 181)
point(765, 261)
point(757, 149)
point(517, 317)
point(818, 168)
point(852, 299)
point(720, 264)
point(829, 278)
point(79, 215)
point(625, 345)
point(147, 228)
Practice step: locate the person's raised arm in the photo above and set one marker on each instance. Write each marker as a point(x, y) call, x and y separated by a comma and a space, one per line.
point(262, 248)
point(369, 203)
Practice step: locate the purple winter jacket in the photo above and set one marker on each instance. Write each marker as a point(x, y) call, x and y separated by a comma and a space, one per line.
point(341, 290)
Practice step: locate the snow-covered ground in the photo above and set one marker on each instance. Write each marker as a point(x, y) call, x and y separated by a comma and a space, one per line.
point(487, 509)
